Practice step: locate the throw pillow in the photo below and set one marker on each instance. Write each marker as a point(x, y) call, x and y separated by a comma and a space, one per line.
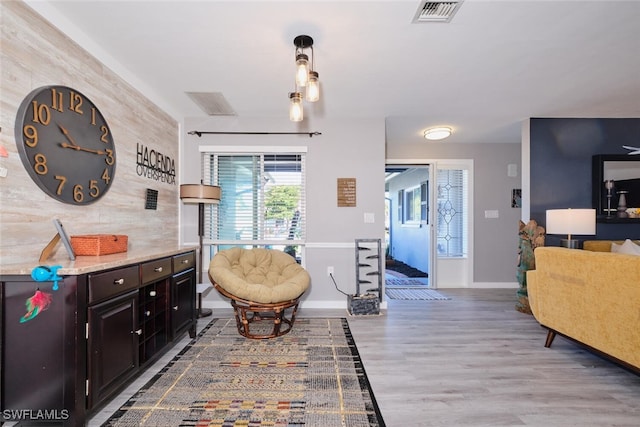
point(628, 247)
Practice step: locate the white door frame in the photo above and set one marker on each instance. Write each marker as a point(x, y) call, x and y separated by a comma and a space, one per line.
point(445, 272)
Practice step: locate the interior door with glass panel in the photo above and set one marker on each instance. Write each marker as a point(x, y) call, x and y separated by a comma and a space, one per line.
point(453, 201)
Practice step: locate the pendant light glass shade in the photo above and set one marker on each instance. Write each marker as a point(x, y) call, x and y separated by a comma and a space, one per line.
point(302, 69)
point(313, 88)
point(295, 107)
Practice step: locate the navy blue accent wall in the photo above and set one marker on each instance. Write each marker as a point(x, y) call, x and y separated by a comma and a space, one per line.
point(561, 151)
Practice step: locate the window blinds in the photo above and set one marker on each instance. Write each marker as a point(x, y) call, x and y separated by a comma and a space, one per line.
point(263, 199)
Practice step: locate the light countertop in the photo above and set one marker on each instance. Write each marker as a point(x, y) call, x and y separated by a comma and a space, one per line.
point(89, 264)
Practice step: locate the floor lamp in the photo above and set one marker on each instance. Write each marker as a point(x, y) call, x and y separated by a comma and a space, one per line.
point(200, 194)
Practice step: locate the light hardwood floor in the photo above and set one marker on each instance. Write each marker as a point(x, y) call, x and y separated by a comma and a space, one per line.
point(475, 361)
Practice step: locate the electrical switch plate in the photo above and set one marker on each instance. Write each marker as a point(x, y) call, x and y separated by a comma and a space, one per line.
point(369, 218)
point(512, 170)
point(491, 214)
point(329, 270)
point(3, 172)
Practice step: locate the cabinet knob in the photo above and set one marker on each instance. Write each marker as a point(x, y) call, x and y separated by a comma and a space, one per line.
point(118, 282)
point(147, 313)
point(175, 308)
point(152, 293)
point(185, 261)
point(158, 269)
point(138, 332)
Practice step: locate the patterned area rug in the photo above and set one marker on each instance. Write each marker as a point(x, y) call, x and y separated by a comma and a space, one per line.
point(414, 294)
point(312, 376)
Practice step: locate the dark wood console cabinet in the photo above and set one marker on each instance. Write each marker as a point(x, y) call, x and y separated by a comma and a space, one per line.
point(100, 331)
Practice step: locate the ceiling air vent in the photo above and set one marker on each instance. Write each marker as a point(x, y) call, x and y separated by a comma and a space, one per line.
point(437, 11)
point(212, 103)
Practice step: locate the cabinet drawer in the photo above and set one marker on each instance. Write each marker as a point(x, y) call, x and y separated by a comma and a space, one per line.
point(156, 270)
point(184, 262)
point(111, 283)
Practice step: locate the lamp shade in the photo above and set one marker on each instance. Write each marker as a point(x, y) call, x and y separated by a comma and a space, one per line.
point(200, 193)
point(302, 69)
point(296, 112)
point(571, 221)
point(313, 88)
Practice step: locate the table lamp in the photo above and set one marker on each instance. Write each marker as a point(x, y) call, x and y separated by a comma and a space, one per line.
point(571, 221)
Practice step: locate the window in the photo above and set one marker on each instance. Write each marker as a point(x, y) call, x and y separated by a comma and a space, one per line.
point(262, 203)
point(452, 213)
point(413, 204)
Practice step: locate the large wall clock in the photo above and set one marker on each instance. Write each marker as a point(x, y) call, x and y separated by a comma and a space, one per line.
point(65, 144)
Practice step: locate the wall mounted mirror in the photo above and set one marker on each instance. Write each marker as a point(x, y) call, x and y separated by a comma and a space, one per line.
point(616, 186)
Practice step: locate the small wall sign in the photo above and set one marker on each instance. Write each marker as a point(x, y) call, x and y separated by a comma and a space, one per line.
point(346, 192)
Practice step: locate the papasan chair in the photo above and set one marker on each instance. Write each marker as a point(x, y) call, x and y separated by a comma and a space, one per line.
point(262, 285)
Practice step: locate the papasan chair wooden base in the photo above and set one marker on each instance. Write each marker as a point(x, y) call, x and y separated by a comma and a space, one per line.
point(264, 285)
point(248, 312)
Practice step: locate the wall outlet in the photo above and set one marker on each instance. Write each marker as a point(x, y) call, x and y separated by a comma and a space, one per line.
point(329, 270)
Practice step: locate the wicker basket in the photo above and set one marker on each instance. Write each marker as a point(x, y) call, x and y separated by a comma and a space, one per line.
point(99, 244)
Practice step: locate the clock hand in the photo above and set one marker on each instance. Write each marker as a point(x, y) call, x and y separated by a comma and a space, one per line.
point(78, 148)
point(66, 133)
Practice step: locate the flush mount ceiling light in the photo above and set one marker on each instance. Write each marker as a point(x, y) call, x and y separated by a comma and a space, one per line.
point(305, 78)
point(435, 134)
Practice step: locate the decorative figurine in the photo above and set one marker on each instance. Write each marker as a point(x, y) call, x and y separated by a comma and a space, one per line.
point(531, 236)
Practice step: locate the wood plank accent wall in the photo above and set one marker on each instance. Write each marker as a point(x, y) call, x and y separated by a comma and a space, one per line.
point(35, 53)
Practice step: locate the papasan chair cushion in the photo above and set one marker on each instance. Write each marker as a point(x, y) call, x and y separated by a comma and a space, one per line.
point(259, 275)
point(259, 281)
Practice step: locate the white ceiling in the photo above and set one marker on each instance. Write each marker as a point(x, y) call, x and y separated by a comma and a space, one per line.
point(495, 64)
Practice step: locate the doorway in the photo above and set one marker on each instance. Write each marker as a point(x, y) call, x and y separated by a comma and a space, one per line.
point(428, 226)
point(408, 227)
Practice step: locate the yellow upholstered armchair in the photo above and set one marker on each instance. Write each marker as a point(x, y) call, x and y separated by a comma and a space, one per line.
point(262, 285)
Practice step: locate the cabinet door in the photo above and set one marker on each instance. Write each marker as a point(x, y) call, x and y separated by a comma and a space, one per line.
point(183, 302)
point(113, 345)
point(34, 367)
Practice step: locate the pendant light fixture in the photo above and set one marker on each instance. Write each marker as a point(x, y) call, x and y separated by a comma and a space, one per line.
point(305, 77)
